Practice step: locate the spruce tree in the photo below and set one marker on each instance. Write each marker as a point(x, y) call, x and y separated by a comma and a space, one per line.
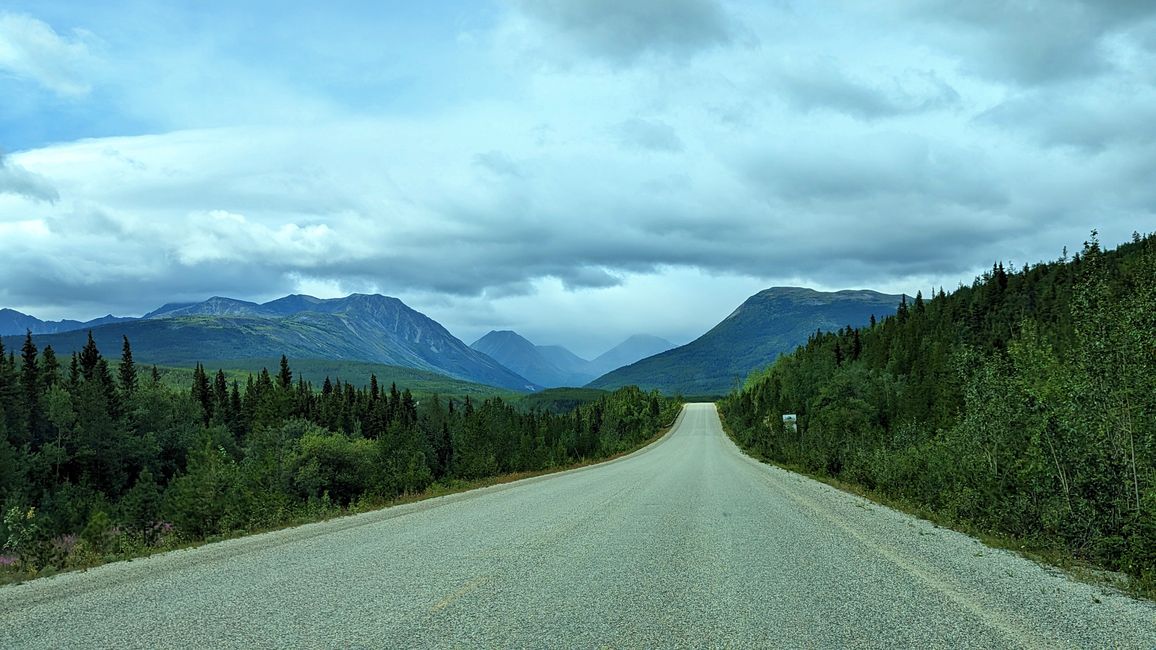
point(50, 373)
point(127, 369)
point(30, 381)
point(89, 358)
point(285, 376)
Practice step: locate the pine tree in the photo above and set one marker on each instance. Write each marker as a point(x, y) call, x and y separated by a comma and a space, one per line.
point(220, 397)
point(285, 376)
point(202, 394)
point(127, 369)
point(89, 358)
point(50, 373)
point(30, 381)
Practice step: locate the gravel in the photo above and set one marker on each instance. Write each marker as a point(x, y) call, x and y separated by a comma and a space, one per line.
point(687, 543)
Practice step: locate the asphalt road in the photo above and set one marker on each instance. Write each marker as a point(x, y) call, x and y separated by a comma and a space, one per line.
point(687, 543)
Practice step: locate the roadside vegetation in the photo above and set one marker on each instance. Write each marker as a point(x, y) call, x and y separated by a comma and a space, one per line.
point(102, 460)
point(1022, 407)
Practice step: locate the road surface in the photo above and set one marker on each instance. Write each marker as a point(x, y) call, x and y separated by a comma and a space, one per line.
point(687, 543)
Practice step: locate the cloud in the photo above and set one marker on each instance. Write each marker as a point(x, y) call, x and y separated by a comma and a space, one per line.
point(1033, 43)
point(662, 146)
point(14, 179)
point(815, 168)
point(624, 32)
point(651, 135)
point(30, 49)
point(820, 84)
point(498, 164)
point(1117, 115)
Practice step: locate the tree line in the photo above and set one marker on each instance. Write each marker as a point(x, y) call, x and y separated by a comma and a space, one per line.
point(100, 459)
point(1022, 405)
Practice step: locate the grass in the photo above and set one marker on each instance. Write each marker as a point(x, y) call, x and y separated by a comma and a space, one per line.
point(314, 371)
point(1031, 549)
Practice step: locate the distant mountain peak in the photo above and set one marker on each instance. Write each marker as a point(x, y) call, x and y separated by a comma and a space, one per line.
point(765, 325)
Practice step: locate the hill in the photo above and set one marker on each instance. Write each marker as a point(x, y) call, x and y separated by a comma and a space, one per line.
point(767, 324)
point(369, 328)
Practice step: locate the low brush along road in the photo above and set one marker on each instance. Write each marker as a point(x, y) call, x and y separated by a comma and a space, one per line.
point(687, 543)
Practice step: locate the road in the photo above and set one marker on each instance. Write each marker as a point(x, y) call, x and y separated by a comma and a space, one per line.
point(687, 543)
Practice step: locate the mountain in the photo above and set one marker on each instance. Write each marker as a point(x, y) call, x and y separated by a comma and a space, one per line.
point(554, 366)
point(359, 327)
point(14, 323)
point(767, 324)
point(627, 352)
point(549, 366)
point(215, 306)
point(566, 361)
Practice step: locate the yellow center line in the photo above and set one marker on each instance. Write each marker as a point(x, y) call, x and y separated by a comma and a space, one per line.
point(465, 589)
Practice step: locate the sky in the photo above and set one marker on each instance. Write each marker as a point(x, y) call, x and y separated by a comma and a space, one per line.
point(575, 170)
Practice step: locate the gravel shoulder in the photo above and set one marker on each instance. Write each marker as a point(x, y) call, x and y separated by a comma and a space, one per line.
point(687, 543)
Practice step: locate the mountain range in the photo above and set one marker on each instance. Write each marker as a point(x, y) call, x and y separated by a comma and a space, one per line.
point(358, 327)
point(769, 323)
point(553, 365)
point(14, 323)
point(383, 330)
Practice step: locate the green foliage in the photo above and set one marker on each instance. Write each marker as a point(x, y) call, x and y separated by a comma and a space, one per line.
point(21, 530)
point(120, 466)
point(558, 400)
point(1023, 405)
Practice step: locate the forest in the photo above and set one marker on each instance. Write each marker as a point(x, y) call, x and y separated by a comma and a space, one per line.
point(1023, 406)
point(100, 460)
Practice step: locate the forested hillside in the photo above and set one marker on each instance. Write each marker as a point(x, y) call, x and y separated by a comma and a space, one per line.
point(97, 462)
point(1023, 405)
point(771, 322)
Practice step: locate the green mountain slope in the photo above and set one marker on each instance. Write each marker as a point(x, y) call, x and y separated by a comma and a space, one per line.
point(359, 327)
point(357, 373)
point(767, 324)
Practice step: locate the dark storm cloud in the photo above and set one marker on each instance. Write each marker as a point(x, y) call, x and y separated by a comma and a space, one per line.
point(821, 169)
point(14, 179)
point(127, 287)
point(821, 85)
point(1089, 122)
point(1029, 42)
point(622, 32)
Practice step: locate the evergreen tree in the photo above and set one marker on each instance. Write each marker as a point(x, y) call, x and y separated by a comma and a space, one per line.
point(50, 374)
point(30, 381)
point(127, 369)
point(89, 358)
point(285, 376)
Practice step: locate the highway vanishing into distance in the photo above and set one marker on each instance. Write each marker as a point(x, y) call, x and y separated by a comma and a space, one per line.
point(687, 543)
